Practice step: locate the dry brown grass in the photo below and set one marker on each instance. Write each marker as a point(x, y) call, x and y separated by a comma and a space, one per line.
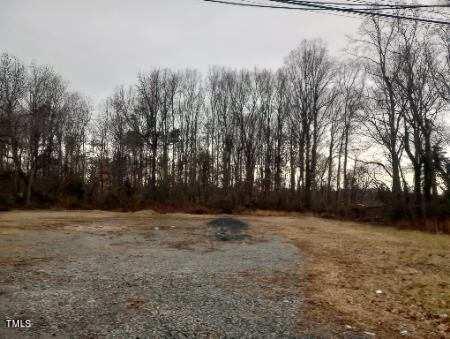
point(348, 262)
point(16, 262)
point(269, 213)
point(12, 221)
point(50, 219)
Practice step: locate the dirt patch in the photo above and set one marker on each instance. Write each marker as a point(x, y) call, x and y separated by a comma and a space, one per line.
point(135, 303)
point(187, 245)
point(15, 262)
point(228, 223)
point(228, 229)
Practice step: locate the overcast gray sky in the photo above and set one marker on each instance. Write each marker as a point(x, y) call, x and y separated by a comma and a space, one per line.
point(99, 44)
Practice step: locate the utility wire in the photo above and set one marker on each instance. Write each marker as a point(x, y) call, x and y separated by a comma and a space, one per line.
point(353, 3)
point(363, 3)
point(314, 4)
point(258, 4)
point(375, 5)
point(398, 5)
point(323, 6)
point(245, 4)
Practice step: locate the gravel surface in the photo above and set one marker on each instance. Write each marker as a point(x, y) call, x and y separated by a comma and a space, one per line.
point(164, 277)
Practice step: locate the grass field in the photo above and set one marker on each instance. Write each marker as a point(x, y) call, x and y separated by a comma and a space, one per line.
point(347, 263)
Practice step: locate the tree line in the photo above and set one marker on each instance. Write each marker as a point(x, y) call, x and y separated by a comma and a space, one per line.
point(317, 134)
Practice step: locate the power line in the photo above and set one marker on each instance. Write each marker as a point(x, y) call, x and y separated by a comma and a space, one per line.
point(298, 8)
point(324, 6)
point(226, 2)
point(354, 3)
point(312, 4)
point(363, 3)
point(375, 5)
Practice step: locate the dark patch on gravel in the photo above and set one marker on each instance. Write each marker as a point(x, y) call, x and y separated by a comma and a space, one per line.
point(231, 224)
point(226, 229)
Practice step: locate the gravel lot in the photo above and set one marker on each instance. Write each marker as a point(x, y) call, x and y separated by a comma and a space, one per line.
point(145, 277)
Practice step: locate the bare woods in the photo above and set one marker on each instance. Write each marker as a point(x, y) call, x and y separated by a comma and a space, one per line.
point(361, 137)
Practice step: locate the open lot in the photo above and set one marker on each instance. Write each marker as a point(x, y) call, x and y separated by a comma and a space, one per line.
point(95, 273)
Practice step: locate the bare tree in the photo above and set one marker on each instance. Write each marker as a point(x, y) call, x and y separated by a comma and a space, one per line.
point(310, 69)
point(12, 93)
point(383, 116)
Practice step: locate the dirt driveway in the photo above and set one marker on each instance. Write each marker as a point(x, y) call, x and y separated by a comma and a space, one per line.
point(144, 274)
